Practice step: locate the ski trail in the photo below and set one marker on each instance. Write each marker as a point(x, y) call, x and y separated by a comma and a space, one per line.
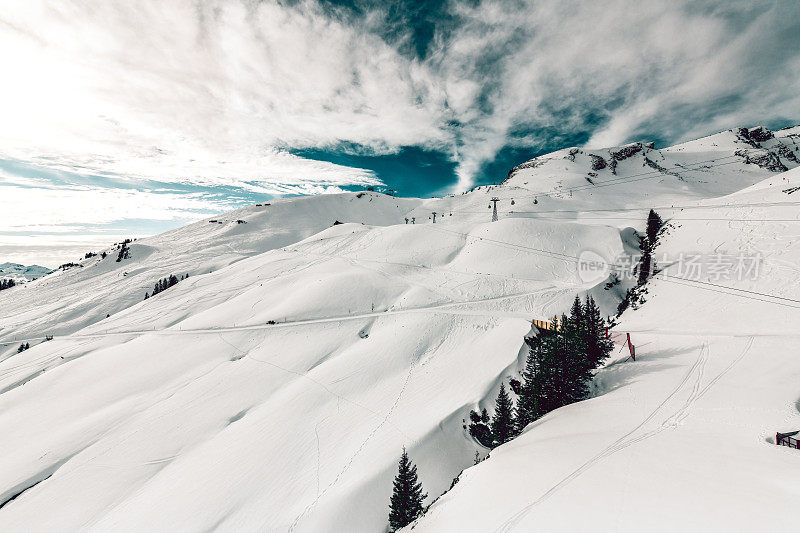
point(434, 308)
point(696, 370)
point(360, 448)
point(442, 307)
point(736, 361)
point(319, 458)
point(35, 363)
point(320, 384)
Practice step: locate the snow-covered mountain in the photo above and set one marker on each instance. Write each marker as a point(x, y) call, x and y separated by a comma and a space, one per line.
point(21, 273)
point(274, 388)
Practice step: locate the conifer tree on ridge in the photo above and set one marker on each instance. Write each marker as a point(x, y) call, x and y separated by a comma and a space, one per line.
point(503, 420)
point(405, 505)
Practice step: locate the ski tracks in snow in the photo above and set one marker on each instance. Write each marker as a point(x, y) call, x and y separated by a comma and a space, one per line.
point(360, 448)
point(693, 378)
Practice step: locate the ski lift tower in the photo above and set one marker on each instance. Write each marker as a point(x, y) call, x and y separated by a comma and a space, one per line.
point(494, 201)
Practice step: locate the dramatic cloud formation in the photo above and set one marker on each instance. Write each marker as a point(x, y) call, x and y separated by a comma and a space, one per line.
point(616, 70)
point(203, 91)
point(241, 94)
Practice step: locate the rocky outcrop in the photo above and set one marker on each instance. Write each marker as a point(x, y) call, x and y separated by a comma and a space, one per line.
point(652, 164)
point(784, 152)
point(624, 153)
point(533, 163)
point(598, 163)
point(753, 136)
point(763, 158)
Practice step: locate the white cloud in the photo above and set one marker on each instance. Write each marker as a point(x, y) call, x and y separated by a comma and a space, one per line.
point(50, 252)
point(51, 225)
point(213, 92)
point(188, 91)
point(31, 208)
point(676, 67)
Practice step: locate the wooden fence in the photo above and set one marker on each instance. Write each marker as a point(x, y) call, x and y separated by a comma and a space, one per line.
point(786, 439)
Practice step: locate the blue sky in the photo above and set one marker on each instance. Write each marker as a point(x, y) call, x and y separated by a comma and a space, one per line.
point(127, 119)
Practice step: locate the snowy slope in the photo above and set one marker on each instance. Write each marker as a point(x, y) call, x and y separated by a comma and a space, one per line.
point(334, 389)
point(67, 300)
point(684, 437)
point(192, 410)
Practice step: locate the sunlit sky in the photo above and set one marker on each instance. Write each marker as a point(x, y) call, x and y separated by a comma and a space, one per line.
point(130, 118)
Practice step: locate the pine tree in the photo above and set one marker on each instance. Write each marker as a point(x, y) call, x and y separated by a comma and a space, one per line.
point(569, 359)
point(647, 244)
point(645, 262)
point(576, 312)
point(526, 402)
point(503, 420)
point(565, 366)
point(407, 497)
point(654, 225)
point(539, 388)
point(598, 347)
point(146, 296)
point(474, 417)
point(579, 322)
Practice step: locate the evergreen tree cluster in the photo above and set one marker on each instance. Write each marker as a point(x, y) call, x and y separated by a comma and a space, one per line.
point(124, 251)
point(647, 244)
point(165, 283)
point(24, 346)
point(647, 265)
point(560, 366)
point(480, 427)
point(557, 372)
point(405, 505)
point(6, 284)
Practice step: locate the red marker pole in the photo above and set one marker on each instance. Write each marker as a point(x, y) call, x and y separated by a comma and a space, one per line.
point(631, 347)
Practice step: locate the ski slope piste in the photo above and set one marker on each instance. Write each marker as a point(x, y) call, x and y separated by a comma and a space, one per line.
point(274, 388)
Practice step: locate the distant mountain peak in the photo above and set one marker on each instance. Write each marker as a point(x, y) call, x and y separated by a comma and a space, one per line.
point(23, 272)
